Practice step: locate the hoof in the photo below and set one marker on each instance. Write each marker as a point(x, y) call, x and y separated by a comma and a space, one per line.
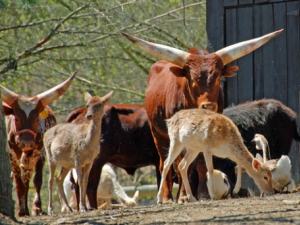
point(235, 195)
point(23, 212)
point(82, 209)
point(183, 199)
point(167, 201)
point(37, 212)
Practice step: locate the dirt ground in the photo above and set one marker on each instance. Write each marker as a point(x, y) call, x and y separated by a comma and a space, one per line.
point(277, 209)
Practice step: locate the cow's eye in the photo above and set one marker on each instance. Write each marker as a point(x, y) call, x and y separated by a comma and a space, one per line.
point(266, 178)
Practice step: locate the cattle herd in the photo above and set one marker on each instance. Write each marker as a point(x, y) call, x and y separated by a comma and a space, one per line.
point(182, 129)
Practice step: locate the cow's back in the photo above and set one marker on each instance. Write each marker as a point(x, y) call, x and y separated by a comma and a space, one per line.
point(126, 134)
point(269, 117)
point(126, 139)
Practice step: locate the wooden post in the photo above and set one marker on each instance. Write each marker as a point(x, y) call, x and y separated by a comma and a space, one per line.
point(6, 200)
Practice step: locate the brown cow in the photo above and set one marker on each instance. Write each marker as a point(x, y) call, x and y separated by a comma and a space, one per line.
point(185, 81)
point(126, 142)
point(27, 119)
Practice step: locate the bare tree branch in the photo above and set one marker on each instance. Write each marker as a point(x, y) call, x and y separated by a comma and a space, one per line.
point(146, 21)
point(183, 12)
point(13, 63)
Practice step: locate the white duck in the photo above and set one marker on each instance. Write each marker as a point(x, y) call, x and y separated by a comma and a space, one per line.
point(280, 168)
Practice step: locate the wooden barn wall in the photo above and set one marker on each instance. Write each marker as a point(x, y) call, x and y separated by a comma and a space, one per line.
point(272, 71)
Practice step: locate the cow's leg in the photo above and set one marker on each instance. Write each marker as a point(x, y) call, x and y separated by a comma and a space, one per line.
point(21, 193)
point(94, 179)
point(175, 148)
point(158, 176)
point(202, 191)
point(38, 181)
point(162, 145)
point(26, 177)
point(20, 187)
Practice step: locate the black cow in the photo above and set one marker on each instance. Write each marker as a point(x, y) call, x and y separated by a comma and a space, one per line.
point(268, 117)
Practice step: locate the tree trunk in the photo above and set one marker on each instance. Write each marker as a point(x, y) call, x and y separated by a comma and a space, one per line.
point(6, 201)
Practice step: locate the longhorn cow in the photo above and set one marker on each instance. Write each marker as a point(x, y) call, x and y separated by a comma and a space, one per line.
point(27, 119)
point(184, 80)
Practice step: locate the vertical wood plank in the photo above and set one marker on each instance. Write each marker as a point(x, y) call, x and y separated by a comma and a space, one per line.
point(258, 74)
point(293, 72)
point(214, 25)
point(268, 51)
point(280, 75)
point(231, 95)
point(245, 74)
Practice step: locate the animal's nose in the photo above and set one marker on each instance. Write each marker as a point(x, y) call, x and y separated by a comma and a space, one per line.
point(209, 106)
point(89, 116)
point(27, 145)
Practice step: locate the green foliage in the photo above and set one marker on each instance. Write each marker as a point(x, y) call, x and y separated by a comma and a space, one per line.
point(89, 41)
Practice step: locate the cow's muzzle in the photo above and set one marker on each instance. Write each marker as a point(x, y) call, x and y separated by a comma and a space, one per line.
point(26, 145)
point(209, 106)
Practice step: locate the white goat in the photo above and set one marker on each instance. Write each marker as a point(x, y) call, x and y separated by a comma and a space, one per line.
point(108, 188)
point(75, 146)
point(200, 130)
point(280, 168)
point(218, 185)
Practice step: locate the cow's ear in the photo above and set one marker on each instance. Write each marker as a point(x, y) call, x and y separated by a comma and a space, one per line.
point(7, 109)
point(177, 71)
point(230, 71)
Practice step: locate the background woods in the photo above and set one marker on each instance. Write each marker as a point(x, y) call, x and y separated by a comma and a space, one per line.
point(43, 42)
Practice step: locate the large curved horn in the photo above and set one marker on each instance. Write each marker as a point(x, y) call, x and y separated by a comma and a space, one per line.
point(236, 51)
point(170, 54)
point(49, 96)
point(7, 95)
